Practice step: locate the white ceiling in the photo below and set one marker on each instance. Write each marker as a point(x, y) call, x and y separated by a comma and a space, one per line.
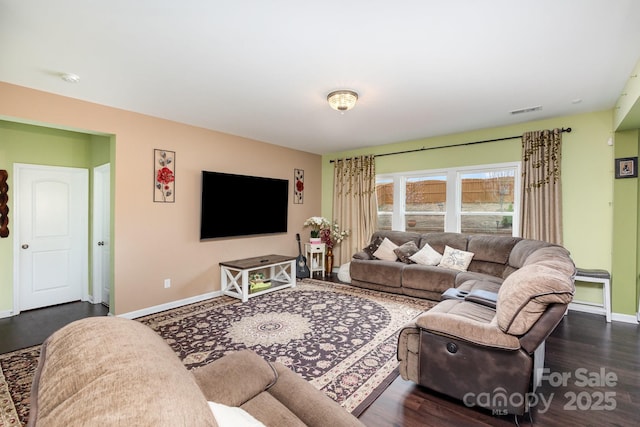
point(262, 69)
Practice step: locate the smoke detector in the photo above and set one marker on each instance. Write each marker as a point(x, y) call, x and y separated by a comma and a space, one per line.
point(70, 77)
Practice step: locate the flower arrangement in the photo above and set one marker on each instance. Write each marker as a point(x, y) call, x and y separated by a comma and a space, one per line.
point(332, 236)
point(316, 223)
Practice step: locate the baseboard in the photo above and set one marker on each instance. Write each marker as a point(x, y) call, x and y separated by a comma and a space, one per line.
point(625, 318)
point(615, 317)
point(169, 306)
point(586, 308)
point(6, 313)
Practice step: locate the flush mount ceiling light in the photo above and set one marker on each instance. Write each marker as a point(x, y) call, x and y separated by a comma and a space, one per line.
point(70, 77)
point(342, 100)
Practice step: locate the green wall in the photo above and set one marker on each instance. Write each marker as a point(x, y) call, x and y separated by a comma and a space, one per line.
point(24, 143)
point(587, 179)
point(626, 257)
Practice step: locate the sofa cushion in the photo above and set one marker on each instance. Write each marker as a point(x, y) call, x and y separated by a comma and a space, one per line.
point(387, 273)
point(526, 293)
point(398, 237)
point(426, 256)
point(428, 277)
point(455, 259)
point(386, 250)
point(465, 276)
point(492, 248)
point(439, 240)
point(111, 371)
point(522, 250)
point(467, 321)
point(405, 251)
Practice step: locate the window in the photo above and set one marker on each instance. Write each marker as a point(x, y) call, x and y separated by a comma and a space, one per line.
point(474, 200)
point(487, 201)
point(425, 203)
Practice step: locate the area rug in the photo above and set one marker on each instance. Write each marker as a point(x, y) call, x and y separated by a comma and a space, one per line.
point(340, 338)
point(16, 375)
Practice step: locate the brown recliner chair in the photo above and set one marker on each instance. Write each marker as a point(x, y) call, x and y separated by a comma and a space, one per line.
point(484, 344)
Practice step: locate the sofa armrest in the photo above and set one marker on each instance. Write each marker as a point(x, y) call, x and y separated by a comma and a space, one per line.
point(235, 378)
point(467, 321)
point(362, 255)
point(313, 407)
point(543, 327)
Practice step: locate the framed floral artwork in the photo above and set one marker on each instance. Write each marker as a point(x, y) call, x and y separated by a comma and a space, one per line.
point(4, 204)
point(164, 166)
point(298, 186)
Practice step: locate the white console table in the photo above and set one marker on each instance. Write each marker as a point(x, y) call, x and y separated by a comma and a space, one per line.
point(234, 275)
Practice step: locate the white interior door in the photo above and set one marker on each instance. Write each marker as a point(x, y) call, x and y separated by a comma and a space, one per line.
point(101, 234)
point(52, 235)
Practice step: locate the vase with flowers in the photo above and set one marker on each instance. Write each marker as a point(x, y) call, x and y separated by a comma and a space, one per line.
point(332, 236)
point(316, 223)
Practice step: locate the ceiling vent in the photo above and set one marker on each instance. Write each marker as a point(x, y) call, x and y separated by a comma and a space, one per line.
point(527, 110)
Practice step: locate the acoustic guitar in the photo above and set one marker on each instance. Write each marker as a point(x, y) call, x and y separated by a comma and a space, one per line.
point(302, 270)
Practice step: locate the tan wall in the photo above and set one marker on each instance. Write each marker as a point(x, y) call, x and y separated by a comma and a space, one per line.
point(154, 241)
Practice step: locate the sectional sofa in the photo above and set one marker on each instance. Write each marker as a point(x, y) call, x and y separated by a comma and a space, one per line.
point(499, 297)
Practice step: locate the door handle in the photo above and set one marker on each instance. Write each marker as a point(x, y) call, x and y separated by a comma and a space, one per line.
point(25, 246)
point(100, 243)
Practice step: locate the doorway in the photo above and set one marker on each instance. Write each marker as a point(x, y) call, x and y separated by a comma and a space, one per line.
point(50, 243)
point(101, 249)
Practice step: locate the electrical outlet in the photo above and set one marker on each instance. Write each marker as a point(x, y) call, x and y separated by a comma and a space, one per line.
point(167, 283)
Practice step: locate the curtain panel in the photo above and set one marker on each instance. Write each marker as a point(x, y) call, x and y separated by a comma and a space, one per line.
point(355, 206)
point(541, 207)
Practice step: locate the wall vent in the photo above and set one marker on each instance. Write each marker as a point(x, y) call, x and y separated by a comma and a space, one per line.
point(527, 110)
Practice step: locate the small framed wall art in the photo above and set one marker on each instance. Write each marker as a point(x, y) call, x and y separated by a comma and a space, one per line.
point(627, 167)
point(4, 204)
point(298, 186)
point(164, 167)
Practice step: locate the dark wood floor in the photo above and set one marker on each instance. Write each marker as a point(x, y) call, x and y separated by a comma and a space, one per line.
point(581, 342)
point(34, 326)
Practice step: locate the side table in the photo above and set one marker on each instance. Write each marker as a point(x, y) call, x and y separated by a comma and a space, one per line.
point(595, 276)
point(315, 257)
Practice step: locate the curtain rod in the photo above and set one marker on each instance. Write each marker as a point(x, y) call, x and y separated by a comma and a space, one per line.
point(568, 130)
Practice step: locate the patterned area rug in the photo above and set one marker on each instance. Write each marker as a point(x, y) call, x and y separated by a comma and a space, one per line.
point(16, 375)
point(340, 338)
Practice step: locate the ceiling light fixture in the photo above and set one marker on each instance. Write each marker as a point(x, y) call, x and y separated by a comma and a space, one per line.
point(342, 100)
point(70, 77)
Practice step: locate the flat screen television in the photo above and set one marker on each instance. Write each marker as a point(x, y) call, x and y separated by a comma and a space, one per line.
point(242, 205)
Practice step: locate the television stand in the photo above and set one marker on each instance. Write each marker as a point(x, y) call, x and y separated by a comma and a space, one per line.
point(234, 275)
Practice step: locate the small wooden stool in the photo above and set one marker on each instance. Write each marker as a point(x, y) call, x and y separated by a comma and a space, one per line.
point(597, 276)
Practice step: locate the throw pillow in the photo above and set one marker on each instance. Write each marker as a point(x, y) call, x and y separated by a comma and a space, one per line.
point(232, 416)
point(455, 259)
point(373, 246)
point(426, 256)
point(344, 274)
point(385, 251)
point(404, 252)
